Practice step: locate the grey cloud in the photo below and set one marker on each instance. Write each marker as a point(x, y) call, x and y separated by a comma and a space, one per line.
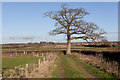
point(27, 37)
point(23, 37)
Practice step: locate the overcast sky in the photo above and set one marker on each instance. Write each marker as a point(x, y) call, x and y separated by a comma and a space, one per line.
point(24, 21)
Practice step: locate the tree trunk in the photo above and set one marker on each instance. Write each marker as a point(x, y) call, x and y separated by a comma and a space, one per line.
point(68, 46)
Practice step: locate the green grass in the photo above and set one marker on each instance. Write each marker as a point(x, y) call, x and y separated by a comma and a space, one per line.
point(17, 61)
point(56, 72)
point(81, 48)
point(93, 70)
point(6, 46)
point(9, 50)
point(28, 49)
point(50, 49)
point(71, 70)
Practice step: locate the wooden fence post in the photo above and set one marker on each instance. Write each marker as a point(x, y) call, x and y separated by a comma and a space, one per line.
point(39, 63)
point(26, 70)
point(24, 52)
point(16, 53)
point(33, 54)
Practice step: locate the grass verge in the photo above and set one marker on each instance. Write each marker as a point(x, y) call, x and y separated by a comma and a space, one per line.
point(93, 70)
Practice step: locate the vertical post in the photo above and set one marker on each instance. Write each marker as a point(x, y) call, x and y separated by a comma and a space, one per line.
point(26, 71)
point(24, 52)
point(33, 53)
point(16, 53)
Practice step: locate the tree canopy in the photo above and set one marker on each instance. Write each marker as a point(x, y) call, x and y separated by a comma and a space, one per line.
point(70, 21)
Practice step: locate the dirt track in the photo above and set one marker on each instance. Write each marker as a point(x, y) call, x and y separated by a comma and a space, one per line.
point(74, 66)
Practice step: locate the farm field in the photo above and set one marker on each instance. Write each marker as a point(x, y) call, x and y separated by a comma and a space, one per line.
point(53, 48)
point(56, 64)
point(17, 61)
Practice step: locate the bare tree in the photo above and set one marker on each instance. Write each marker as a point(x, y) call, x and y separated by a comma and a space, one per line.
point(69, 21)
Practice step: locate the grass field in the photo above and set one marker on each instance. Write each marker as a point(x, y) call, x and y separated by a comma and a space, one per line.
point(67, 66)
point(75, 68)
point(51, 48)
point(17, 61)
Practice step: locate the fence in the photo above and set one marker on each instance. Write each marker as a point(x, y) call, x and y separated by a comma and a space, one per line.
point(30, 70)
